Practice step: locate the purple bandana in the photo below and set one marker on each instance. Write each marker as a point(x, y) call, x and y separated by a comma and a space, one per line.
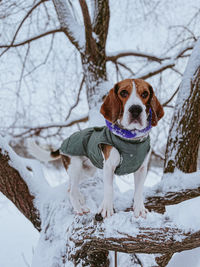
point(129, 134)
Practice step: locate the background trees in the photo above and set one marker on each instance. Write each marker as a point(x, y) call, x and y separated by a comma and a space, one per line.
point(58, 58)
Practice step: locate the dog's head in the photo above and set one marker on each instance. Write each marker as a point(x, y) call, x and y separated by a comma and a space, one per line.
point(129, 102)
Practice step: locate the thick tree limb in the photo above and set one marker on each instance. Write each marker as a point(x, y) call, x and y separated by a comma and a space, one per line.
point(158, 204)
point(16, 190)
point(101, 23)
point(91, 48)
point(165, 240)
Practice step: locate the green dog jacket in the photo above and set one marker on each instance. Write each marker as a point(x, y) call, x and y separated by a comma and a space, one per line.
point(87, 143)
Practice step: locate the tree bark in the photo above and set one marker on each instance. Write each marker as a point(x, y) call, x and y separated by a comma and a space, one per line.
point(94, 56)
point(184, 134)
point(153, 240)
point(16, 190)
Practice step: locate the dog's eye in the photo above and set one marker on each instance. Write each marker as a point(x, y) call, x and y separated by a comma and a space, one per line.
point(144, 94)
point(124, 93)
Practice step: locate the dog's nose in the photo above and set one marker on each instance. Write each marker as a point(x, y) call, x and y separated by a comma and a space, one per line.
point(135, 111)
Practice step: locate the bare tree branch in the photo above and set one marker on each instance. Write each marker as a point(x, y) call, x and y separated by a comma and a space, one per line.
point(77, 99)
point(37, 129)
point(170, 99)
point(32, 39)
point(158, 203)
point(115, 56)
point(156, 71)
point(90, 42)
point(20, 25)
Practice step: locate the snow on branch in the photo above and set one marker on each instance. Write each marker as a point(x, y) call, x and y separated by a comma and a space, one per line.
point(172, 189)
point(166, 62)
point(122, 234)
point(114, 56)
point(73, 30)
point(21, 191)
point(183, 140)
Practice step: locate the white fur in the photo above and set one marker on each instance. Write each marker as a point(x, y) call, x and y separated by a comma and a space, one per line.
point(134, 99)
point(106, 207)
point(39, 153)
point(139, 179)
point(79, 168)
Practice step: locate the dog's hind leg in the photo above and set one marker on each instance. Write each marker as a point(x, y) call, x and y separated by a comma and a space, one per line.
point(75, 171)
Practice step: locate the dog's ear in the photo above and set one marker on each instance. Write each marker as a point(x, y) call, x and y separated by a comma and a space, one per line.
point(112, 106)
point(156, 107)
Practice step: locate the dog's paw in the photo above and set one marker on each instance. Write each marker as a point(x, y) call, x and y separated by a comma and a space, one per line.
point(81, 198)
point(78, 201)
point(140, 210)
point(106, 209)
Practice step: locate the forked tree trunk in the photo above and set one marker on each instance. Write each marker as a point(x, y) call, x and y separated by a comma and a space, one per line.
point(184, 134)
point(92, 49)
point(94, 55)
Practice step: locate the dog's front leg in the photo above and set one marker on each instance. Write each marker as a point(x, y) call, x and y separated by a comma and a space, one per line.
point(112, 159)
point(139, 179)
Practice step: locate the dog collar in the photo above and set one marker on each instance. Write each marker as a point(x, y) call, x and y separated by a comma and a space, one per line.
point(115, 129)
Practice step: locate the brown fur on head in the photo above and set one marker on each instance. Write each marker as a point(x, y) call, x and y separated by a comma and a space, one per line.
point(114, 103)
point(156, 107)
point(111, 107)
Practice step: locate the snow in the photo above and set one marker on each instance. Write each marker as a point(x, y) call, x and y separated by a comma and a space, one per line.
point(68, 21)
point(186, 258)
point(176, 182)
point(188, 76)
point(185, 215)
point(18, 237)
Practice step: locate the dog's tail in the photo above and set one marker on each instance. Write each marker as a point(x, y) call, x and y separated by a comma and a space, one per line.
point(41, 154)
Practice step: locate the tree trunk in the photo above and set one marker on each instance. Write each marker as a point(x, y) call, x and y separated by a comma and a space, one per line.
point(92, 52)
point(184, 134)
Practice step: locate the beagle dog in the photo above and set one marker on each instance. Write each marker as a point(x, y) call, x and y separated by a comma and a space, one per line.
point(130, 109)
